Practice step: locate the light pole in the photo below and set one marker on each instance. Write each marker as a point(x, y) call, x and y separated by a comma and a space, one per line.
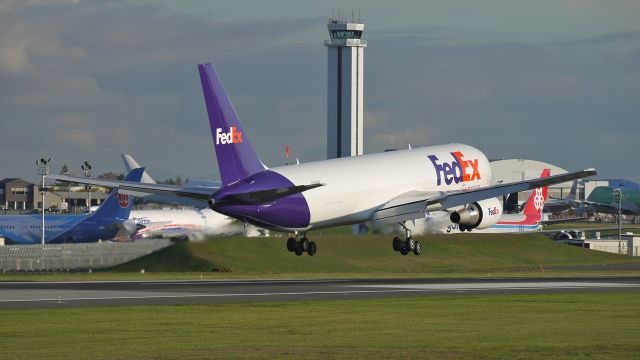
point(86, 167)
point(65, 171)
point(618, 194)
point(43, 166)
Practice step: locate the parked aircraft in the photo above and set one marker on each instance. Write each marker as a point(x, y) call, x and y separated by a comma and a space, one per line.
point(603, 200)
point(390, 187)
point(529, 220)
point(179, 223)
point(182, 224)
point(103, 224)
point(554, 205)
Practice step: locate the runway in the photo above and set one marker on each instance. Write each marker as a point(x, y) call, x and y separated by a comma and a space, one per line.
point(118, 293)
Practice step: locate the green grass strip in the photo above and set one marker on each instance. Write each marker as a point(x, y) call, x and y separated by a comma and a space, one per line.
point(556, 326)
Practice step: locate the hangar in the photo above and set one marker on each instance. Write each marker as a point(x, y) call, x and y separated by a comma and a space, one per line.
point(510, 170)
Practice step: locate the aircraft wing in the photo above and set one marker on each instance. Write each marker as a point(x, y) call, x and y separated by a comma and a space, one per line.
point(412, 205)
point(198, 193)
point(137, 189)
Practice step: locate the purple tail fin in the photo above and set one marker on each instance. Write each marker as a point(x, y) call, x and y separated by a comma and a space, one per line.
point(236, 157)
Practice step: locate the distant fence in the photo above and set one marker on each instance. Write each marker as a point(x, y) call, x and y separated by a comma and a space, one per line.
point(60, 257)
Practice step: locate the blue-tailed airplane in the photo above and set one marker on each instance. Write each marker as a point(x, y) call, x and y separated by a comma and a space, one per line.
point(103, 224)
point(390, 187)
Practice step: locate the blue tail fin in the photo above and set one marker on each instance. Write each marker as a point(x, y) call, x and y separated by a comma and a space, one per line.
point(118, 205)
point(236, 157)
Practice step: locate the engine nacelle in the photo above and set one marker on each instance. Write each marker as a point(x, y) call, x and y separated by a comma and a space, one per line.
point(478, 215)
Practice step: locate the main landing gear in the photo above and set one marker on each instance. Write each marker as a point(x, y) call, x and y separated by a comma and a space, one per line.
point(301, 244)
point(408, 244)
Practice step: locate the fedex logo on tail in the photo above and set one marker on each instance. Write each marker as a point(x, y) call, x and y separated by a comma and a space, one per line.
point(456, 171)
point(234, 136)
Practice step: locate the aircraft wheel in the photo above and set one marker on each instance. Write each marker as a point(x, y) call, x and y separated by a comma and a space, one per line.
point(404, 251)
point(304, 243)
point(312, 249)
point(298, 251)
point(418, 248)
point(397, 244)
point(291, 244)
point(411, 244)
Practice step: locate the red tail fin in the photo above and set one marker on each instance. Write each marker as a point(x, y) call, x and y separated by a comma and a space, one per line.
point(537, 198)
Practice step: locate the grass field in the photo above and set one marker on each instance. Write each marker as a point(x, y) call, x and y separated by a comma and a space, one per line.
point(545, 326)
point(363, 256)
point(445, 254)
point(565, 326)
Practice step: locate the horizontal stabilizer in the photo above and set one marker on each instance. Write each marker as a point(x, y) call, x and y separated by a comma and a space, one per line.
point(263, 196)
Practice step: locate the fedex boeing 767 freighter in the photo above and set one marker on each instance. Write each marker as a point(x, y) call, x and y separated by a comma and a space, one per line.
point(387, 187)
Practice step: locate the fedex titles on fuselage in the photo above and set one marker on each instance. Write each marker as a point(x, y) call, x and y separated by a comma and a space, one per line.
point(457, 171)
point(234, 136)
point(417, 174)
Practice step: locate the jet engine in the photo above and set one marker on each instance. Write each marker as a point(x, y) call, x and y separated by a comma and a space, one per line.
point(478, 215)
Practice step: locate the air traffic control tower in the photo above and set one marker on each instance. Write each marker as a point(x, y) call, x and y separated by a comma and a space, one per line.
point(345, 88)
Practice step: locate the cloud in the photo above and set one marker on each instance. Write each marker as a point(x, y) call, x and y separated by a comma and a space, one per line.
point(72, 129)
point(13, 60)
point(17, 5)
point(92, 79)
point(557, 101)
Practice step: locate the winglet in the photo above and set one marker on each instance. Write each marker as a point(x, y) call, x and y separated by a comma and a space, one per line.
point(236, 157)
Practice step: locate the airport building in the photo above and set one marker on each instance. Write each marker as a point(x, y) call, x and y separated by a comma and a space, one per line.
point(20, 195)
point(345, 88)
point(17, 194)
point(510, 170)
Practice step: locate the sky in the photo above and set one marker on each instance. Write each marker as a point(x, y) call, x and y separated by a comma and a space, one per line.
point(550, 80)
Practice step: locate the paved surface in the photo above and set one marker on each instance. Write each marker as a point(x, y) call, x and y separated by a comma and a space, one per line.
point(64, 294)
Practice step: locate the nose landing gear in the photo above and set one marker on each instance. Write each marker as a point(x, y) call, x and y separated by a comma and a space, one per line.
point(407, 244)
point(301, 244)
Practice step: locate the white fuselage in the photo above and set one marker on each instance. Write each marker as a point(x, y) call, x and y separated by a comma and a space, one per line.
point(183, 223)
point(438, 222)
point(355, 187)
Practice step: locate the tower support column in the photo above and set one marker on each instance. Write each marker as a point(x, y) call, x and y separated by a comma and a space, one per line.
point(345, 88)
